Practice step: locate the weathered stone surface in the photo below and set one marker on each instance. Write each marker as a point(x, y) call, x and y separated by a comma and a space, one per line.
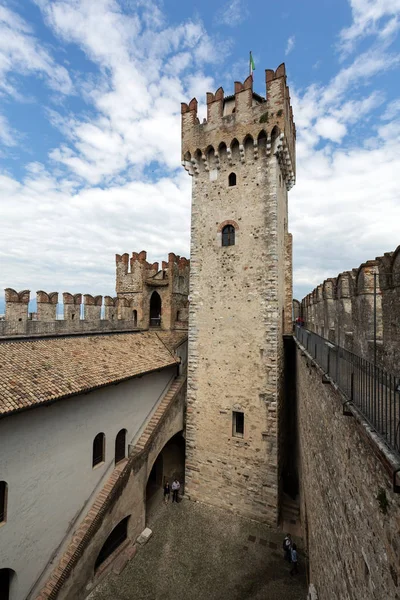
point(342, 309)
point(144, 537)
point(240, 296)
point(352, 543)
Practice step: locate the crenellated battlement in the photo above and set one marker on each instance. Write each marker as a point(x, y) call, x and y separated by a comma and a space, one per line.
point(359, 304)
point(242, 127)
point(137, 280)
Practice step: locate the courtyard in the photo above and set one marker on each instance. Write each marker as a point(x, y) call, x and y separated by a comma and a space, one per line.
point(198, 552)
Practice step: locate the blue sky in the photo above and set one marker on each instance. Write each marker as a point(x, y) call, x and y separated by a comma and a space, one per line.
point(90, 98)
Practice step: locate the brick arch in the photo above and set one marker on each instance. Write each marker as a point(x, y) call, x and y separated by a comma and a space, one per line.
point(228, 222)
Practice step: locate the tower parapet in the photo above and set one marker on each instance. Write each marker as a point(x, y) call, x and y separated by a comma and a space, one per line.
point(92, 307)
point(110, 308)
point(244, 123)
point(46, 305)
point(17, 304)
point(72, 306)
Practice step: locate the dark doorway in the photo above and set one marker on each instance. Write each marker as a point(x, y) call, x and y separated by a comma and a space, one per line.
point(115, 539)
point(155, 480)
point(169, 464)
point(155, 310)
point(120, 446)
point(5, 583)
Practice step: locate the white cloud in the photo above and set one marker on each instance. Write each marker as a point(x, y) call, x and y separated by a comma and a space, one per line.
point(21, 53)
point(146, 72)
point(329, 128)
point(232, 13)
point(7, 135)
point(71, 236)
point(97, 196)
point(370, 17)
point(392, 110)
point(290, 44)
point(344, 207)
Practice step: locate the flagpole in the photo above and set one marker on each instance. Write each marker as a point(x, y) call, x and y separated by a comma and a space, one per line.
point(250, 63)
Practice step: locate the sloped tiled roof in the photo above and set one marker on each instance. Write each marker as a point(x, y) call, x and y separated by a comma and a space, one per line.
point(172, 339)
point(37, 371)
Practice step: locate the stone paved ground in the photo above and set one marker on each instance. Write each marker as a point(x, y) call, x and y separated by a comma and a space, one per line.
point(198, 552)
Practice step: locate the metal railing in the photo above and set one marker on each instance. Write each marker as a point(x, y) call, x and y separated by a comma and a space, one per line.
point(372, 390)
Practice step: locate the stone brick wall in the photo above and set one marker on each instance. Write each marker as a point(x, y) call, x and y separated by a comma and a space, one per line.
point(353, 545)
point(238, 294)
point(136, 281)
point(341, 309)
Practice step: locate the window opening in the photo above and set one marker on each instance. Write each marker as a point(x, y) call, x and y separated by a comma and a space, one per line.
point(99, 444)
point(3, 501)
point(118, 535)
point(232, 179)
point(6, 575)
point(120, 446)
point(134, 317)
point(228, 235)
point(237, 424)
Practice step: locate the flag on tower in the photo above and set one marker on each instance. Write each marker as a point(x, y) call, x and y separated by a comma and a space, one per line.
point(252, 65)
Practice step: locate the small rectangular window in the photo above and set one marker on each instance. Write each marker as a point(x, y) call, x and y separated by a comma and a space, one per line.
point(238, 424)
point(3, 502)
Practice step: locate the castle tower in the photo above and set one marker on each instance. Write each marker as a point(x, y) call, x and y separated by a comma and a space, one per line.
point(242, 159)
point(156, 297)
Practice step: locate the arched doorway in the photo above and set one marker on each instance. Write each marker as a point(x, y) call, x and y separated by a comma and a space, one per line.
point(118, 535)
point(155, 310)
point(6, 577)
point(169, 464)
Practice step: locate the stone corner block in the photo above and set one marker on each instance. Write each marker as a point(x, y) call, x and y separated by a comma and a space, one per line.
point(144, 536)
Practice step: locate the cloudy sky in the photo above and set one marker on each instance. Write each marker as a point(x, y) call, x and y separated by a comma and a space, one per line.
point(90, 95)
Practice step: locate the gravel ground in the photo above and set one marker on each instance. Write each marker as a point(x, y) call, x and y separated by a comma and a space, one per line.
point(198, 552)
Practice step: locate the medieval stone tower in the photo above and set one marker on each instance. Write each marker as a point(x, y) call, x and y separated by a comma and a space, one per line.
point(242, 159)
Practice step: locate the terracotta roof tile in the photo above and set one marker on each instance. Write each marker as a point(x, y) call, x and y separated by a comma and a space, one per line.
point(172, 339)
point(37, 371)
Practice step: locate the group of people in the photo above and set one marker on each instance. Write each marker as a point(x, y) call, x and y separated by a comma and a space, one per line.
point(175, 487)
point(290, 553)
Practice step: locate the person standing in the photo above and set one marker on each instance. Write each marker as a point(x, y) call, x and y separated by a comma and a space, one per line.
point(175, 489)
point(287, 547)
point(167, 492)
point(294, 570)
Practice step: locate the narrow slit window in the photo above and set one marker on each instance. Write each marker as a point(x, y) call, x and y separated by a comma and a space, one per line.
point(3, 501)
point(232, 179)
point(99, 445)
point(238, 424)
point(228, 235)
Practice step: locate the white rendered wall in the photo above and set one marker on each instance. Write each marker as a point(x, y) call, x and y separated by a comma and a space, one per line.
point(46, 459)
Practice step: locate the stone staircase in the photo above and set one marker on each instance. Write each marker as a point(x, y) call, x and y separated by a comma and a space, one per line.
point(290, 515)
point(143, 439)
point(104, 499)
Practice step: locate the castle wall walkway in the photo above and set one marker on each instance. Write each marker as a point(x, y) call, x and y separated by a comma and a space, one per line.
point(349, 509)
